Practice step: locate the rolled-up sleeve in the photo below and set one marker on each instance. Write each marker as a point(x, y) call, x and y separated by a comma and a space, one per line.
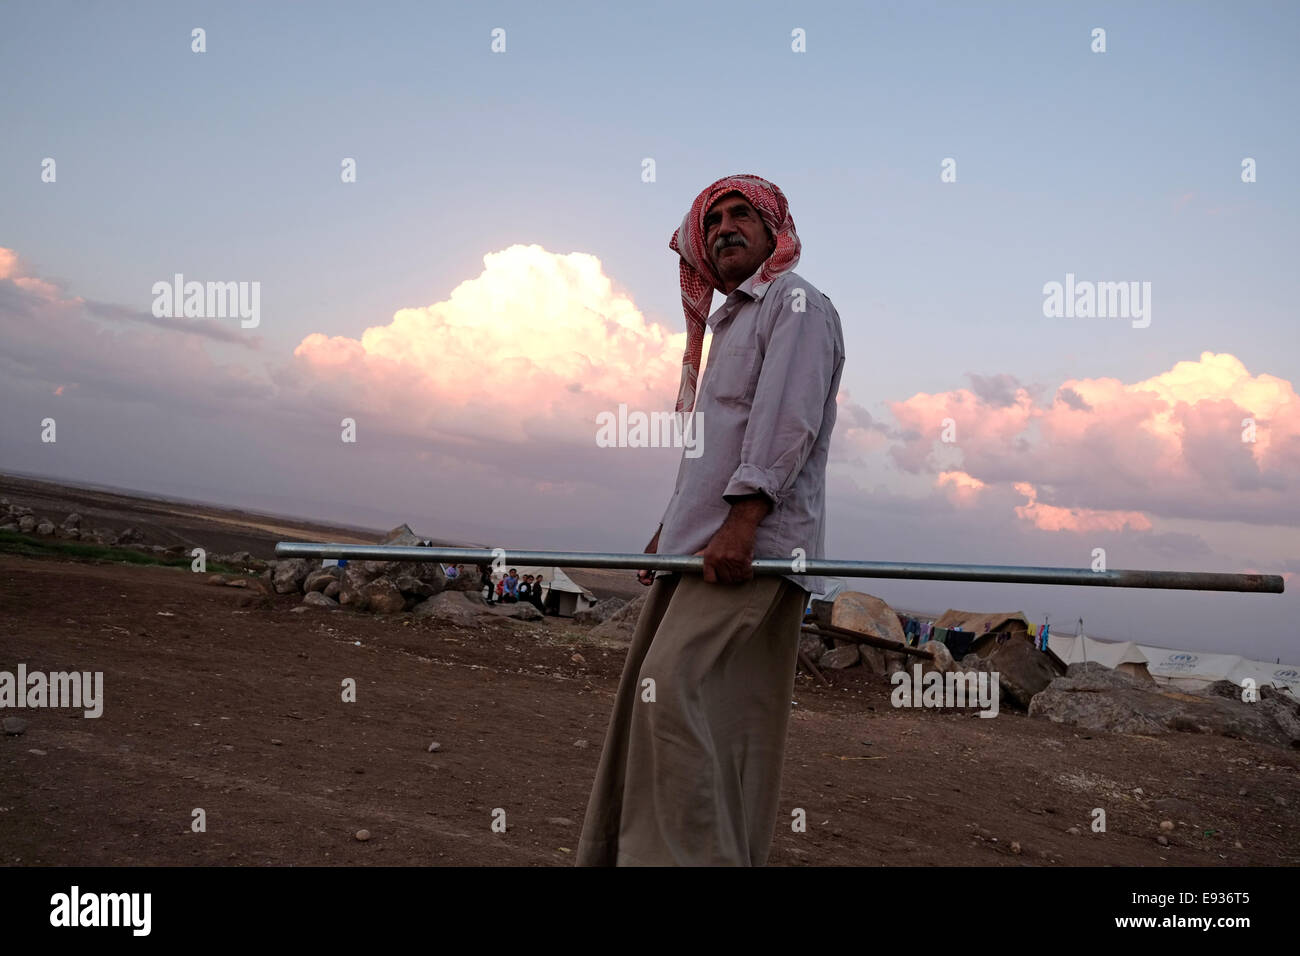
point(799, 365)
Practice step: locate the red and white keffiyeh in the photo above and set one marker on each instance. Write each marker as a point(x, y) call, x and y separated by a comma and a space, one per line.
point(698, 277)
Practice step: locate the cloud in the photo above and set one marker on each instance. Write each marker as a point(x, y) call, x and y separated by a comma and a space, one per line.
point(1050, 518)
point(529, 350)
point(1203, 439)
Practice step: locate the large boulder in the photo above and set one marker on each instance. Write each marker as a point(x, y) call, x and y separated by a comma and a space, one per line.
point(1096, 698)
point(1023, 670)
point(72, 521)
point(866, 615)
point(316, 599)
point(599, 612)
point(26, 524)
point(452, 607)
point(130, 536)
point(620, 625)
point(940, 658)
point(382, 597)
point(45, 527)
point(288, 576)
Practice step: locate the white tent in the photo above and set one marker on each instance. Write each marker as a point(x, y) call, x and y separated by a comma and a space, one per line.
point(1121, 655)
point(1195, 669)
point(560, 594)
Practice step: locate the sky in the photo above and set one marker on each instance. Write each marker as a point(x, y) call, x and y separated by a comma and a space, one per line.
point(498, 274)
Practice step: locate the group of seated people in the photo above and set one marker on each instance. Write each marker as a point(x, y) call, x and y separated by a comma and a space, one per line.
point(511, 589)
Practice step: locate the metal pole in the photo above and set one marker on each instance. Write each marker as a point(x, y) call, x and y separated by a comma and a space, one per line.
point(1177, 580)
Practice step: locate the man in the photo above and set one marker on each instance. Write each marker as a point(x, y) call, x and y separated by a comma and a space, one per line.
point(537, 594)
point(510, 593)
point(690, 773)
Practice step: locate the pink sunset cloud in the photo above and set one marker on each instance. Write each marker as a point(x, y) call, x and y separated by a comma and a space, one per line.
point(1206, 438)
point(537, 342)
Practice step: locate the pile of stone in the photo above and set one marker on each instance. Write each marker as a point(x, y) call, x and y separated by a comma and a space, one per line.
point(1094, 697)
point(380, 587)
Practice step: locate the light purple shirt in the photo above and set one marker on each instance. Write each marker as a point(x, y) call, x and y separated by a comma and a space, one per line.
point(767, 408)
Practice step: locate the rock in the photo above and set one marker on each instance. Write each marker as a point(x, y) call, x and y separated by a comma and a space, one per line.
point(522, 611)
point(451, 607)
point(1015, 847)
point(866, 615)
point(26, 524)
point(70, 534)
point(413, 588)
point(289, 575)
point(940, 658)
point(1023, 670)
point(363, 835)
point(320, 579)
point(838, 658)
point(1279, 800)
point(240, 558)
point(46, 527)
point(1166, 825)
point(130, 536)
point(812, 646)
point(434, 747)
point(581, 743)
point(1074, 831)
point(217, 579)
point(1162, 840)
point(14, 726)
point(382, 597)
point(237, 583)
point(300, 609)
point(72, 521)
point(106, 537)
point(1097, 698)
point(578, 659)
point(332, 589)
point(620, 625)
point(599, 612)
point(873, 659)
point(316, 599)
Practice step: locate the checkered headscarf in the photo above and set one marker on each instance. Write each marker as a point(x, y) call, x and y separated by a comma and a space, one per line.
point(697, 275)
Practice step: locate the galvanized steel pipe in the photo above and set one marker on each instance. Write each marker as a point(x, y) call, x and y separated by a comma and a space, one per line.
point(1171, 580)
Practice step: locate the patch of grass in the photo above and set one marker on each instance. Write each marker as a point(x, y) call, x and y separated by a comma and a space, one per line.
point(13, 542)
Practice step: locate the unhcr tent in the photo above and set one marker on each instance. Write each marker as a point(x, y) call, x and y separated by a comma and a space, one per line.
point(1193, 670)
point(559, 594)
point(1123, 656)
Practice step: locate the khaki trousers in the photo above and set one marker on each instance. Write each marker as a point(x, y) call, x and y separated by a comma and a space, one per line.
point(690, 774)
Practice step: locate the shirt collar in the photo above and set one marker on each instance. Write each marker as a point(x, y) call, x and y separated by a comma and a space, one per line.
point(750, 289)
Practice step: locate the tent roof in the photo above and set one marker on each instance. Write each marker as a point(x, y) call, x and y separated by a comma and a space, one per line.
point(1074, 650)
point(975, 620)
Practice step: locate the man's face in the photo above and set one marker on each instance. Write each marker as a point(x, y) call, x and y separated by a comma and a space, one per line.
point(736, 238)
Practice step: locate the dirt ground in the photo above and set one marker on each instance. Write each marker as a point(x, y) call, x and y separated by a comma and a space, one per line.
point(239, 711)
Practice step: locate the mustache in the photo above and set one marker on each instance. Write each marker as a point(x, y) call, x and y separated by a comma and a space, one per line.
point(725, 241)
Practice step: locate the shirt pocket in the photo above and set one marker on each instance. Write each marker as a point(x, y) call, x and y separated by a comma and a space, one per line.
point(733, 378)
